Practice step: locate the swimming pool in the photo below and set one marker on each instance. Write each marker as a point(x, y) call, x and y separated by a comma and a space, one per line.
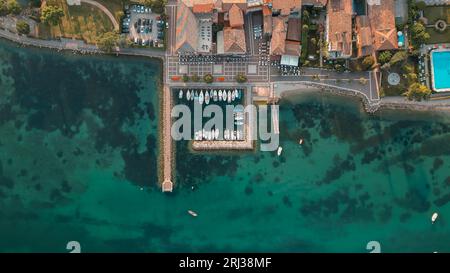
point(440, 70)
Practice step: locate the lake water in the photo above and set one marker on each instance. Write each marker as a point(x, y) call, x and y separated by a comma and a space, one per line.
point(79, 141)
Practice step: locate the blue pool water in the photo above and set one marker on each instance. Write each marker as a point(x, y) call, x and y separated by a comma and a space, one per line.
point(401, 39)
point(441, 70)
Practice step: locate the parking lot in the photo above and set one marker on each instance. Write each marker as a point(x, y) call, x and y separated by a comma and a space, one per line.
point(143, 26)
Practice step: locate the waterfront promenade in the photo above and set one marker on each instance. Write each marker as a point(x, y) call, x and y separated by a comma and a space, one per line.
point(77, 46)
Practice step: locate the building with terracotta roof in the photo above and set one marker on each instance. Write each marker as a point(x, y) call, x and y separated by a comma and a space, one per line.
point(227, 4)
point(267, 20)
point(293, 30)
point(286, 7)
point(339, 28)
point(233, 41)
point(382, 21)
point(186, 29)
point(277, 42)
point(203, 8)
point(236, 17)
point(363, 36)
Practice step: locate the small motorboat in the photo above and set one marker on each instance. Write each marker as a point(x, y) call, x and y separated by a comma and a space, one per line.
point(229, 96)
point(233, 95)
point(193, 213)
point(216, 133)
point(188, 95)
point(215, 95)
point(207, 97)
point(220, 95)
point(434, 217)
point(200, 97)
point(280, 149)
point(300, 141)
point(180, 94)
point(196, 96)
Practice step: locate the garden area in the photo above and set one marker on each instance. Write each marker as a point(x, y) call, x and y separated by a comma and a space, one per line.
point(310, 36)
point(84, 22)
point(433, 14)
point(398, 72)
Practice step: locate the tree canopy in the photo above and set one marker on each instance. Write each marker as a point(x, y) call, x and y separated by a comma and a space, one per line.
point(108, 41)
point(241, 78)
point(368, 62)
point(208, 78)
point(9, 6)
point(417, 91)
point(385, 57)
point(23, 27)
point(51, 15)
point(419, 35)
point(157, 6)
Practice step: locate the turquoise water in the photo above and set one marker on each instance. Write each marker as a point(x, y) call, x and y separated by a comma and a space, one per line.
point(441, 69)
point(78, 141)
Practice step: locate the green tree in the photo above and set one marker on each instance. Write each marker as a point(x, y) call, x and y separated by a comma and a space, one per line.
point(419, 34)
point(241, 78)
point(208, 78)
point(368, 62)
point(14, 7)
point(51, 15)
point(157, 6)
point(195, 78)
point(108, 41)
point(385, 57)
point(417, 91)
point(421, 5)
point(400, 56)
point(3, 8)
point(23, 27)
point(185, 78)
point(412, 78)
point(305, 16)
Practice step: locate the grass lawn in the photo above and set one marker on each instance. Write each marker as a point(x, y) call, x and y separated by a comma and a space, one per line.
point(434, 13)
point(81, 22)
point(114, 6)
point(439, 37)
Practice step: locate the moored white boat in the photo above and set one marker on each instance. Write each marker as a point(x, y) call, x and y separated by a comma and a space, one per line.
point(188, 95)
point(434, 217)
point(279, 150)
point(300, 141)
point(216, 133)
point(207, 97)
point(220, 95)
point(200, 97)
point(229, 96)
point(215, 95)
point(193, 213)
point(180, 94)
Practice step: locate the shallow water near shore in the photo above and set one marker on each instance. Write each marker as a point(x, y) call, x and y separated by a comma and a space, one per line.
point(79, 140)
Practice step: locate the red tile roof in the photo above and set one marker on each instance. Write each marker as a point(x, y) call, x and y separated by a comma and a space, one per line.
point(236, 17)
point(203, 8)
point(382, 21)
point(234, 40)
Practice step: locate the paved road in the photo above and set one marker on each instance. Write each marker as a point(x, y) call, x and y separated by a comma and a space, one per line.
point(342, 80)
point(105, 10)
